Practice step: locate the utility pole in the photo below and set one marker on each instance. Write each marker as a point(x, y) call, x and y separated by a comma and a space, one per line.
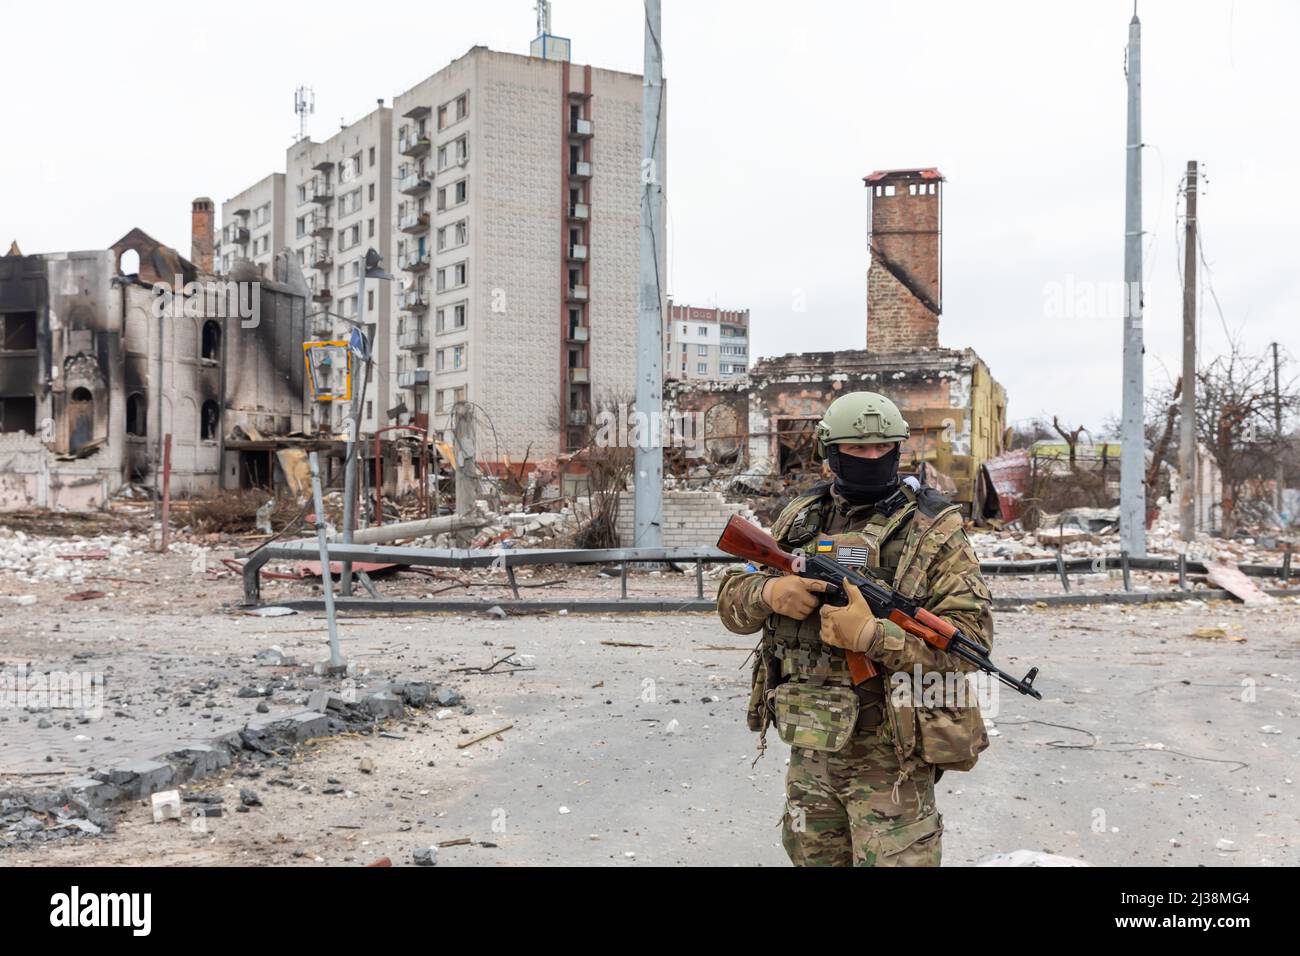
point(1277, 422)
point(648, 464)
point(1187, 424)
point(466, 463)
point(1132, 464)
point(369, 270)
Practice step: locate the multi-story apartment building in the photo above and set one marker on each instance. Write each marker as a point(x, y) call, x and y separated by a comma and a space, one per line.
point(705, 344)
point(516, 229)
point(338, 205)
point(252, 225)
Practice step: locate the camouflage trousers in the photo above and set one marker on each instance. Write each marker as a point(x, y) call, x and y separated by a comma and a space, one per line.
point(843, 808)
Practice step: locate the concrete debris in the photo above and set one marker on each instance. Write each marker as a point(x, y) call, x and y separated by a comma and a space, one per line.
point(166, 805)
point(425, 856)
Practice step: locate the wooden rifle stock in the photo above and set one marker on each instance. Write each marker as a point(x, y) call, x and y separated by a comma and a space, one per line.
point(745, 540)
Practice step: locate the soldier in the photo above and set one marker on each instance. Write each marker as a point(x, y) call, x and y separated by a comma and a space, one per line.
point(864, 758)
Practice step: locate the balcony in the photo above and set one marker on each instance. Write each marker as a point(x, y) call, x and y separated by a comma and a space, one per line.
point(321, 258)
point(413, 184)
point(578, 375)
point(414, 222)
point(238, 234)
point(321, 226)
point(580, 128)
point(577, 293)
point(414, 339)
point(413, 378)
point(413, 300)
point(578, 252)
point(323, 195)
point(324, 296)
point(413, 144)
point(579, 333)
point(580, 170)
point(416, 261)
point(322, 326)
point(580, 211)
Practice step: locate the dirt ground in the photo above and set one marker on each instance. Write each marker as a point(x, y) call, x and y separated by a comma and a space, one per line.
point(1151, 746)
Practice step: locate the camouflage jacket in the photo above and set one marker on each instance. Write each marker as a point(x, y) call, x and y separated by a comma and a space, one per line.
point(924, 554)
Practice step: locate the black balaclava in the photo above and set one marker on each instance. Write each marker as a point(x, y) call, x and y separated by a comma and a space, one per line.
point(863, 481)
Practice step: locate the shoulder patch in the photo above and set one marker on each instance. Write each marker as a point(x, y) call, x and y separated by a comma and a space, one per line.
point(793, 518)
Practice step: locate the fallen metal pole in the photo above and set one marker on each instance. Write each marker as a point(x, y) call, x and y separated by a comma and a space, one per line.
point(382, 534)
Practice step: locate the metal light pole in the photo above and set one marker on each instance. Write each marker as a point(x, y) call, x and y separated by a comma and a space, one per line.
point(370, 270)
point(648, 464)
point(1132, 464)
point(1187, 425)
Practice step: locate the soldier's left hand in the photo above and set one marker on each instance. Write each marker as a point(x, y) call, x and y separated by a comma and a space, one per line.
point(853, 626)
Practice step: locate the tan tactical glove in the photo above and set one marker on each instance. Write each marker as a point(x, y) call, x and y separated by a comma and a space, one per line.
point(792, 595)
point(852, 627)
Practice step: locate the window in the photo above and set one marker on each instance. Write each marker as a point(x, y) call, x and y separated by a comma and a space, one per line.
point(462, 232)
point(18, 414)
point(458, 357)
point(462, 106)
point(440, 360)
point(451, 318)
point(19, 330)
point(701, 350)
point(442, 117)
point(460, 273)
point(211, 341)
point(372, 192)
point(136, 415)
point(702, 368)
point(442, 157)
point(462, 149)
point(462, 191)
point(442, 198)
point(442, 238)
point(208, 421)
point(441, 283)
point(370, 300)
point(302, 226)
point(372, 156)
point(302, 193)
point(372, 229)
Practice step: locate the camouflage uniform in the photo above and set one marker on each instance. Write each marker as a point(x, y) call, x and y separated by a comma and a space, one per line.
point(863, 793)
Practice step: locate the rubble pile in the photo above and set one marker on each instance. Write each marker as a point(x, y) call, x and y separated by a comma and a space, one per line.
point(27, 819)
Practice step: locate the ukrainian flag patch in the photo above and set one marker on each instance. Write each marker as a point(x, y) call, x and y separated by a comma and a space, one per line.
point(825, 545)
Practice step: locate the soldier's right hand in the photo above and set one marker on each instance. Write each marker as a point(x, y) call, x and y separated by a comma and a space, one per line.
point(792, 595)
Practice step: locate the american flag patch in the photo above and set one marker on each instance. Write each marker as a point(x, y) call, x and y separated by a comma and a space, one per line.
point(854, 557)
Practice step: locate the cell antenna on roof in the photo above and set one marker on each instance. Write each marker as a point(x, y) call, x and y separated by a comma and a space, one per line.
point(543, 9)
point(304, 104)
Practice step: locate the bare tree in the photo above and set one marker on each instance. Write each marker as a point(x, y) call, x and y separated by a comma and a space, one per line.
point(1071, 437)
point(1235, 422)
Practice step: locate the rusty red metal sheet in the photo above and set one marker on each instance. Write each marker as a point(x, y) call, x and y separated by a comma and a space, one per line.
point(1005, 478)
point(336, 567)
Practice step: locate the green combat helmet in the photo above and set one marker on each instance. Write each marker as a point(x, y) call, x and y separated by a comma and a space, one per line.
point(860, 418)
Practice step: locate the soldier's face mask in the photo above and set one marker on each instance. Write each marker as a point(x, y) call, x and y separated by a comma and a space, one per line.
point(863, 480)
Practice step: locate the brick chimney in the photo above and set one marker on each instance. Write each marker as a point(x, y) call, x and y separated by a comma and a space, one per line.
point(904, 279)
point(201, 214)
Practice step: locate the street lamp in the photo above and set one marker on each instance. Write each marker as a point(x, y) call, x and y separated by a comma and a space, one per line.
point(371, 270)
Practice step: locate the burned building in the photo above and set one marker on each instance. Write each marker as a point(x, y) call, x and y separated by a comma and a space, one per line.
point(956, 409)
point(106, 352)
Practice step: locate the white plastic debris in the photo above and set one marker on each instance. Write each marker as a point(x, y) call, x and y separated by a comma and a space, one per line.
point(166, 805)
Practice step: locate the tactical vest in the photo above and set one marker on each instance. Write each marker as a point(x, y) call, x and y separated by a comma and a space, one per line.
point(794, 649)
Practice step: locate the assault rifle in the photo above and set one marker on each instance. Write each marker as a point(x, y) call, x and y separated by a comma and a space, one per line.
point(748, 541)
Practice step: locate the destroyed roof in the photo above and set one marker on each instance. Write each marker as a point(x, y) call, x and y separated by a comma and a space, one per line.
point(880, 175)
point(158, 261)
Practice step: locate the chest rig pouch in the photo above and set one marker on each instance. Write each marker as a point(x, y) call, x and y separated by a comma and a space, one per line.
point(815, 704)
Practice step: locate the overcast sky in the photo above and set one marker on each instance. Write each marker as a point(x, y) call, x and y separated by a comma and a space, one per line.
point(117, 116)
